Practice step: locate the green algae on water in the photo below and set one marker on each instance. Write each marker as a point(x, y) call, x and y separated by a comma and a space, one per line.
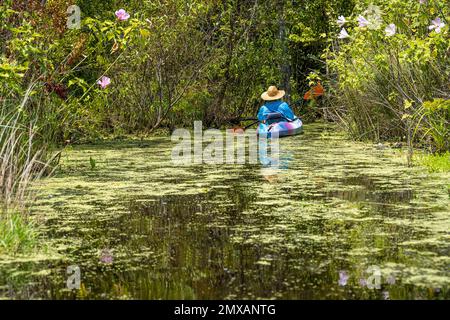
point(228, 231)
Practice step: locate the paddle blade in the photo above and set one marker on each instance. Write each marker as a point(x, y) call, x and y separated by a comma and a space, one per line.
point(237, 130)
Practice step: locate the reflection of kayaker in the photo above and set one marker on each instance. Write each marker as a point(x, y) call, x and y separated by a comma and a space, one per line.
point(274, 167)
point(275, 116)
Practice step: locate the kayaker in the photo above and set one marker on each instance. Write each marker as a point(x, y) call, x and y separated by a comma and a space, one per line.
point(274, 103)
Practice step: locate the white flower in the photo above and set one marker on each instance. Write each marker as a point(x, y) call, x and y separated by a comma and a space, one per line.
point(390, 30)
point(371, 18)
point(362, 22)
point(436, 24)
point(343, 34)
point(341, 21)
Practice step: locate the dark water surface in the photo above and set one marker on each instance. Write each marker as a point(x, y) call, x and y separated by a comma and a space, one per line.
point(337, 218)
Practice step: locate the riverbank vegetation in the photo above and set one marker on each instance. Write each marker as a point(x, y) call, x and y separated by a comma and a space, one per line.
point(25, 158)
point(436, 162)
point(133, 67)
point(384, 64)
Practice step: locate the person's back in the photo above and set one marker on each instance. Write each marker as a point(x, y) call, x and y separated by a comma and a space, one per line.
point(274, 104)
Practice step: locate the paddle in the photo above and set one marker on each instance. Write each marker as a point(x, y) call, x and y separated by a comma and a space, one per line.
point(237, 121)
point(270, 116)
point(253, 123)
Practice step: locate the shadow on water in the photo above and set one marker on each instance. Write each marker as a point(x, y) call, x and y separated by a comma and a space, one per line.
point(213, 232)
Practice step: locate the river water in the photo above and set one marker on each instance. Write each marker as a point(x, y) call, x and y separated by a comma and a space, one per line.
point(338, 220)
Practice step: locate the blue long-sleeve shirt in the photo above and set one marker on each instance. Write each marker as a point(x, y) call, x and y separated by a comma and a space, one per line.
point(275, 106)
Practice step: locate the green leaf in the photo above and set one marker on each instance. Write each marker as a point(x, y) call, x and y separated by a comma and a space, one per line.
point(407, 104)
point(406, 116)
point(144, 33)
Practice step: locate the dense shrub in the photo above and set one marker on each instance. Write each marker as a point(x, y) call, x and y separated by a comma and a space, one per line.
point(388, 70)
point(175, 61)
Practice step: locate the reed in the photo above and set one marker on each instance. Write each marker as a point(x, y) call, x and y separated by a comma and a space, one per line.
point(24, 158)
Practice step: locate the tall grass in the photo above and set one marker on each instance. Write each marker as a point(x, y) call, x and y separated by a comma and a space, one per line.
point(23, 160)
point(388, 104)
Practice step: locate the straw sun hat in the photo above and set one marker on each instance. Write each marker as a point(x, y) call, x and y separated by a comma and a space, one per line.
point(273, 94)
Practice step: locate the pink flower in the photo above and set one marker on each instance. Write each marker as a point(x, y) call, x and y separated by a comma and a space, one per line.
point(362, 22)
point(343, 278)
point(104, 82)
point(343, 34)
point(106, 257)
point(390, 30)
point(122, 15)
point(422, 1)
point(436, 24)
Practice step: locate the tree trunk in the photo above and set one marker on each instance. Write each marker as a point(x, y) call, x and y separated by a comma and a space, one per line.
point(217, 116)
point(284, 64)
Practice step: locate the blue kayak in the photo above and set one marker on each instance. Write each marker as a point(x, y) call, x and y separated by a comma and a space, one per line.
point(283, 128)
